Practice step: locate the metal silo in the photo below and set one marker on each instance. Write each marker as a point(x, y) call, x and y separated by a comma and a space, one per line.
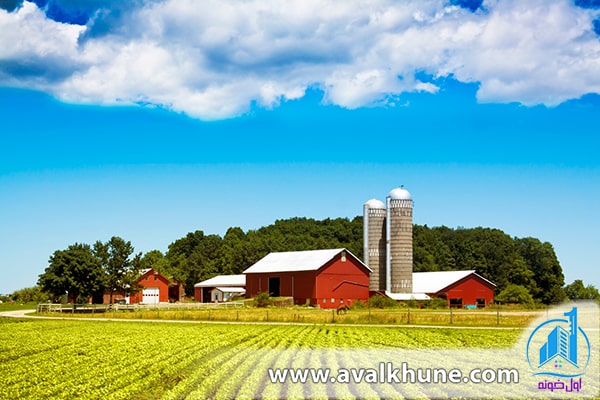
point(374, 215)
point(399, 241)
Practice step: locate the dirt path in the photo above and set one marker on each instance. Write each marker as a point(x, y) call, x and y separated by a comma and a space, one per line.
point(17, 313)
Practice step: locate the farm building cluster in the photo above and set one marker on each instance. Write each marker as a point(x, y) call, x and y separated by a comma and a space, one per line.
point(332, 278)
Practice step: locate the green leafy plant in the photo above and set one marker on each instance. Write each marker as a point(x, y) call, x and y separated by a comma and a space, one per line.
point(263, 299)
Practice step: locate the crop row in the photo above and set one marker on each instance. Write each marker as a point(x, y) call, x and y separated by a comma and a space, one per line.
point(121, 360)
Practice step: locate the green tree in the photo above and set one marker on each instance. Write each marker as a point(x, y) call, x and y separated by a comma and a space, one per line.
point(515, 294)
point(156, 260)
point(578, 291)
point(31, 294)
point(121, 270)
point(194, 258)
point(233, 252)
point(75, 272)
point(548, 275)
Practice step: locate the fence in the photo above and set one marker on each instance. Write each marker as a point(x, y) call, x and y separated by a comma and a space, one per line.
point(237, 311)
point(103, 308)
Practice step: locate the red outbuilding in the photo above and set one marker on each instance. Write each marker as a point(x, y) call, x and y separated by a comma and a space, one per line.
point(155, 289)
point(459, 288)
point(327, 278)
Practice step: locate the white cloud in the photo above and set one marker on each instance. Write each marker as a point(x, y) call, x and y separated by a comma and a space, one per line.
point(213, 59)
point(34, 50)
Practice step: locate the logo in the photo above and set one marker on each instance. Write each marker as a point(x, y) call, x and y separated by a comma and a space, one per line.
point(559, 348)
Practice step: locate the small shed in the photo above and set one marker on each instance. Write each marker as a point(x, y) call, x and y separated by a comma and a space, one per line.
point(325, 278)
point(222, 294)
point(202, 290)
point(176, 290)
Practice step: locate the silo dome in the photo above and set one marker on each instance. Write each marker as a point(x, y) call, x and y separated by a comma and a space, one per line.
point(400, 194)
point(374, 203)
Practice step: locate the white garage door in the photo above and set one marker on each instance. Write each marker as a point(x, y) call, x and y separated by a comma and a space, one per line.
point(150, 295)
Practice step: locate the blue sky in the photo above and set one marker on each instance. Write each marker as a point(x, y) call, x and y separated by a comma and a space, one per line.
point(166, 117)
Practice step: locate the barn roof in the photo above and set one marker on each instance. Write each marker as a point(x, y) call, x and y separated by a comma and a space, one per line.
point(433, 282)
point(230, 289)
point(292, 261)
point(224, 281)
point(152, 271)
point(407, 296)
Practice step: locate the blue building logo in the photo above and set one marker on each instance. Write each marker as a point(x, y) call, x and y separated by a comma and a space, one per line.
point(559, 347)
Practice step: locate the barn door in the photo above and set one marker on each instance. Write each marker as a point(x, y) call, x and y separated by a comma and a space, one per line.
point(150, 295)
point(274, 283)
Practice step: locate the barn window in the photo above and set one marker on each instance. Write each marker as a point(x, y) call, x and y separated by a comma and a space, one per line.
point(342, 301)
point(480, 303)
point(332, 300)
point(324, 300)
point(343, 256)
point(456, 303)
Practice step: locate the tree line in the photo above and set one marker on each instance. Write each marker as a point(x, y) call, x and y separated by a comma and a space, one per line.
point(526, 269)
point(81, 271)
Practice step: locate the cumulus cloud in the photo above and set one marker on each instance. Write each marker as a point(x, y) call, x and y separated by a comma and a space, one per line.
point(214, 59)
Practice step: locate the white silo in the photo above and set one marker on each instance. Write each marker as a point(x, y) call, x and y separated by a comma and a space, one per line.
point(374, 215)
point(399, 241)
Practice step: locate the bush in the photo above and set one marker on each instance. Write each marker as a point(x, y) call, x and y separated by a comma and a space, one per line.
point(31, 294)
point(436, 303)
point(358, 305)
point(379, 301)
point(263, 299)
point(411, 303)
point(515, 294)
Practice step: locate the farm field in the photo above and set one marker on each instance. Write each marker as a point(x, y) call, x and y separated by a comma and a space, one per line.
point(124, 360)
point(398, 316)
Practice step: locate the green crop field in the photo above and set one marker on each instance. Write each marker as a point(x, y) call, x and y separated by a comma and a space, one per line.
point(44, 359)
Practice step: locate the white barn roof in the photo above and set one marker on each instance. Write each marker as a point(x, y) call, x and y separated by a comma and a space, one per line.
point(231, 289)
point(407, 296)
point(433, 282)
point(224, 281)
point(292, 261)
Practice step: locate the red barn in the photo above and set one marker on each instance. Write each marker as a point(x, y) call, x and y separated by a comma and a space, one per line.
point(327, 278)
point(459, 288)
point(155, 289)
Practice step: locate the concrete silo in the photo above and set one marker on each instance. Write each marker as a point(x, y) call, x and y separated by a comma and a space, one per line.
point(399, 241)
point(374, 215)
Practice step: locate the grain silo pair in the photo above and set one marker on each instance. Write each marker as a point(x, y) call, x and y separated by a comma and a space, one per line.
point(388, 242)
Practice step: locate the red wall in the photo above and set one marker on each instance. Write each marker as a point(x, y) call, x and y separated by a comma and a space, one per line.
point(343, 281)
point(469, 290)
point(299, 285)
point(198, 294)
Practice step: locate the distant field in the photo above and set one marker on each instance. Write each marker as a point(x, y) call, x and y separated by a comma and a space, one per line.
point(104, 359)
